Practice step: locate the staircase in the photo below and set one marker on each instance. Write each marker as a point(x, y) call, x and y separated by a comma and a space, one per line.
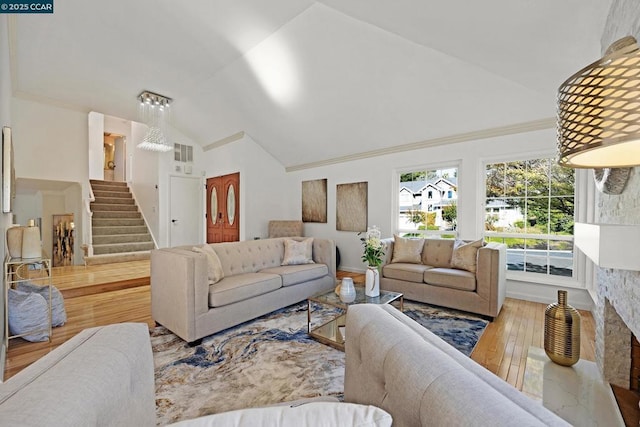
point(118, 229)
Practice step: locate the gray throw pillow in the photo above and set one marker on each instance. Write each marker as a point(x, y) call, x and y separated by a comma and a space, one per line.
point(28, 311)
point(58, 312)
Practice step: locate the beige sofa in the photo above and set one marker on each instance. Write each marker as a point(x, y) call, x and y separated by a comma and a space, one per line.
point(101, 377)
point(434, 280)
point(254, 283)
point(395, 364)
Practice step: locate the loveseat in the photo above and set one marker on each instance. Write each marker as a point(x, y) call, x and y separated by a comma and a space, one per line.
point(468, 276)
point(192, 301)
point(101, 377)
point(395, 364)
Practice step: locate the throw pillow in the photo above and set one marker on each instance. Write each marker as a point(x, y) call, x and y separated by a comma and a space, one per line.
point(309, 415)
point(28, 313)
point(298, 252)
point(214, 266)
point(58, 312)
point(407, 250)
point(465, 255)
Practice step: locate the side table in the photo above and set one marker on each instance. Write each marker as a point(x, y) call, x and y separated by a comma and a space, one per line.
point(577, 393)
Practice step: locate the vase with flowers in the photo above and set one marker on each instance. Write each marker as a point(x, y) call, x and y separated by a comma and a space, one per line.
point(372, 255)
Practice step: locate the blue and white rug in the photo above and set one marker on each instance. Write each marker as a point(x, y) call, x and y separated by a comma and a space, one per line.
point(269, 360)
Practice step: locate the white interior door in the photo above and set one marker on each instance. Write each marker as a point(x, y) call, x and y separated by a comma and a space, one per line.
point(185, 211)
point(119, 159)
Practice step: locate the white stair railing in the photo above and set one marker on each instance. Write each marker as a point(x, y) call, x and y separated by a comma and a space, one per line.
point(88, 221)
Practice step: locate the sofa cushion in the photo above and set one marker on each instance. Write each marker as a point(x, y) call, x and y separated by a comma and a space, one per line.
point(451, 278)
point(405, 271)
point(214, 267)
point(241, 287)
point(298, 252)
point(407, 250)
point(465, 255)
point(437, 252)
point(309, 414)
point(294, 274)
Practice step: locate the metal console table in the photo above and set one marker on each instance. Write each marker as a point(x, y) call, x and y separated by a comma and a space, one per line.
point(38, 272)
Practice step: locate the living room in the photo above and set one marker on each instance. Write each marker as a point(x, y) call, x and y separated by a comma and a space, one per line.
point(449, 123)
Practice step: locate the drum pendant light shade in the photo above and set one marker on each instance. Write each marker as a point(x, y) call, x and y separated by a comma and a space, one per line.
point(599, 111)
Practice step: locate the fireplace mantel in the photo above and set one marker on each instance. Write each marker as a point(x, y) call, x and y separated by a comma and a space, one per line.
point(609, 245)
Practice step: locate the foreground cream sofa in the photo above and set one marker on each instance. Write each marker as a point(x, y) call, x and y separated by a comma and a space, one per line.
point(101, 377)
point(435, 281)
point(394, 363)
point(254, 283)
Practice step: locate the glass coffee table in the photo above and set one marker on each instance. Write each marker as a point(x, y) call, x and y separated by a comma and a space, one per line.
point(333, 332)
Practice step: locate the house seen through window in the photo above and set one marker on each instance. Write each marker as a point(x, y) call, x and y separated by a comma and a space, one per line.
point(530, 207)
point(427, 202)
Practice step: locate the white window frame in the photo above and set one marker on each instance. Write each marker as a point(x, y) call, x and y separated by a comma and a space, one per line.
point(583, 210)
point(396, 203)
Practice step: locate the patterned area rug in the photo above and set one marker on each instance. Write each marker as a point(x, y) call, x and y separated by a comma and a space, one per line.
point(270, 359)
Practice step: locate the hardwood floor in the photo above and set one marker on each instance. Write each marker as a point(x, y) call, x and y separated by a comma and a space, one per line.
point(94, 296)
point(502, 348)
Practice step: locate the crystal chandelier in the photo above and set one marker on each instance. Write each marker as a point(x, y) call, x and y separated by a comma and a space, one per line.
point(154, 111)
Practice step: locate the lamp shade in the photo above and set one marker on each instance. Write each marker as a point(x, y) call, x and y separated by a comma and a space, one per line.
point(599, 111)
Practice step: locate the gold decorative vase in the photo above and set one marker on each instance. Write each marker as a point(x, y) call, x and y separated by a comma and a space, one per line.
point(562, 332)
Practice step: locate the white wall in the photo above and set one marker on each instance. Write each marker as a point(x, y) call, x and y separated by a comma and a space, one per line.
point(169, 167)
point(50, 142)
point(382, 175)
point(265, 190)
point(96, 145)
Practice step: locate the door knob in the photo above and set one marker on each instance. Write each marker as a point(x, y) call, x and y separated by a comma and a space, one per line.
point(174, 221)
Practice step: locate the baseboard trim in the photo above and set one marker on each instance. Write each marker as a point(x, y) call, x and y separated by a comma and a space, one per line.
point(548, 294)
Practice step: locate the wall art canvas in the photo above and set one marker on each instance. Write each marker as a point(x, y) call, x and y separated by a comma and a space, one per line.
point(314, 200)
point(351, 206)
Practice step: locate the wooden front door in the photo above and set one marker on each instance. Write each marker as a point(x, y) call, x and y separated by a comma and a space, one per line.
point(223, 208)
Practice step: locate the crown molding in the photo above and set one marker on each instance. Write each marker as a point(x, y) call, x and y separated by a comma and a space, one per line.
point(224, 141)
point(531, 126)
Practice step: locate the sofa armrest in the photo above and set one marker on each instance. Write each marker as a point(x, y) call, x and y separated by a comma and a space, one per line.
point(102, 376)
point(179, 290)
point(324, 252)
point(491, 275)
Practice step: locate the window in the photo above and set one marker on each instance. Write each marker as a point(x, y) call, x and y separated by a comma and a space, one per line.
point(530, 207)
point(422, 205)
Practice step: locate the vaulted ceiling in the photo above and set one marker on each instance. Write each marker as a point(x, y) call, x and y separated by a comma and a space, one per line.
point(311, 81)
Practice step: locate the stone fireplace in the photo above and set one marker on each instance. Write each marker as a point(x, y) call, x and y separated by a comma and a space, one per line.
point(617, 310)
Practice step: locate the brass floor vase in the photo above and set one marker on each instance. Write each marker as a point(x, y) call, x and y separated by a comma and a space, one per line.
point(562, 332)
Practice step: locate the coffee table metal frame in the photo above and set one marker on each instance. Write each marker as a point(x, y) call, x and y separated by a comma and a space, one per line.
point(331, 333)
